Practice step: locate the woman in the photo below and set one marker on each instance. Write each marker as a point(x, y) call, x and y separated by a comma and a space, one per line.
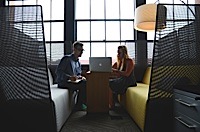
point(122, 76)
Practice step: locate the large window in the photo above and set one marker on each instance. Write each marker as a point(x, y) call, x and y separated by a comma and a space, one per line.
point(104, 25)
point(53, 16)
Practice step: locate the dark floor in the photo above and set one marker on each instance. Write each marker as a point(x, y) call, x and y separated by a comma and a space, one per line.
point(116, 120)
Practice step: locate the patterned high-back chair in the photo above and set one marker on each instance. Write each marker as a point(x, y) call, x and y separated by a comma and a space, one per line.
point(176, 61)
point(25, 98)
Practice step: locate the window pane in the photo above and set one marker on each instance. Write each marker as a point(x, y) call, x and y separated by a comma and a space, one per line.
point(112, 9)
point(57, 10)
point(97, 9)
point(112, 31)
point(185, 1)
point(127, 30)
point(84, 59)
point(83, 30)
point(98, 49)
point(57, 52)
point(30, 2)
point(47, 31)
point(197, 1)
point(57, 31)
point(82, 9)
point(150, 52)
point(192, 1)
point(48, 53)
point(46, 8)
point(127, 9)
point(15, 2)
point(150, 35)
point(111, 51)
point(98, 30)
point(160, 1)
point(131, 49)
point(173, 1)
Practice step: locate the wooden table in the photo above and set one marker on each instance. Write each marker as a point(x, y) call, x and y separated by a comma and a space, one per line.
point(97, 92)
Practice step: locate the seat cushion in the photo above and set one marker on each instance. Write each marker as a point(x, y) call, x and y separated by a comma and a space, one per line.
point(50, 77)
point(136, 100)
point(147, 75)
point(63, 102)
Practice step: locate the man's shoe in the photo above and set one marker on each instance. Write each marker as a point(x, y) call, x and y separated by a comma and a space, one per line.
point(84, 107)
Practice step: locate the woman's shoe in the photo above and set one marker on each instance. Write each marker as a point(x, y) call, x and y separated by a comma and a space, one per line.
point(111, 106)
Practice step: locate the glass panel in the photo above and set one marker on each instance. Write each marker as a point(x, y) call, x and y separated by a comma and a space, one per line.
point(197, 1)
point(111, 51)
point(15, 2)
point(127, 30)
point(57, 31)
point(192, 1)
point(83, 31)
point(82, 9)
point(57, 52)
point(184, 1)
point(48, 53)
point(112, 9)
point(150, 52)
point(160, 1)
point(57, 10)
point(30, 2)
point(150, 35)
point(172, 1)
point(84, 59)
point(98, 30)
point(179, 1)
point(131, 49)
point(46, 9)
point(127, 9)
point(98, 49)
point(47, 31)
point(97, 9)
point(112, 30)
point(186, 13)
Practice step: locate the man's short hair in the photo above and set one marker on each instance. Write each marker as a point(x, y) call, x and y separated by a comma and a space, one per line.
point(77, 44)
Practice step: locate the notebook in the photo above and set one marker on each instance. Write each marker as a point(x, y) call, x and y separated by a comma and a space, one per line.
point(100, 64)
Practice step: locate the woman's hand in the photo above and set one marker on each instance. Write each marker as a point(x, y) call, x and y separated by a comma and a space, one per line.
point(114, 70)
point(115, 74)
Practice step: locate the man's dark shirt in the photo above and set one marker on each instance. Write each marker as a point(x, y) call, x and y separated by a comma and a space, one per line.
point(67, 67)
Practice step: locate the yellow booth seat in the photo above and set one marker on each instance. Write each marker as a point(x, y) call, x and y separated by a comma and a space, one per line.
point(136, 99)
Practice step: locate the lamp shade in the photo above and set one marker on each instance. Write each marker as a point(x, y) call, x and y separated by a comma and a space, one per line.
point(145, 17)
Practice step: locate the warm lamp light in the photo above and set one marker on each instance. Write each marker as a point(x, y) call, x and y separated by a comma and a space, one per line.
point(145, 17)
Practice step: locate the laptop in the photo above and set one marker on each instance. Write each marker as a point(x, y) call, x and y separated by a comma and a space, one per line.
point(100, 64)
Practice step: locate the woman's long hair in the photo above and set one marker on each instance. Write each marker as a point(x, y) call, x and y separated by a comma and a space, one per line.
point(121, 63)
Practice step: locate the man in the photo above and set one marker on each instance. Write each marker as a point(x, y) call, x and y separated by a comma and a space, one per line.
point(69, 74)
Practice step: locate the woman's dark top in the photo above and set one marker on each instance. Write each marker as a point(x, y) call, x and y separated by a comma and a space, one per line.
point(119, 85)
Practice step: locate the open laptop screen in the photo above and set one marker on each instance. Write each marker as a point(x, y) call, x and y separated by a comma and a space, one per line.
point(100, 64)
